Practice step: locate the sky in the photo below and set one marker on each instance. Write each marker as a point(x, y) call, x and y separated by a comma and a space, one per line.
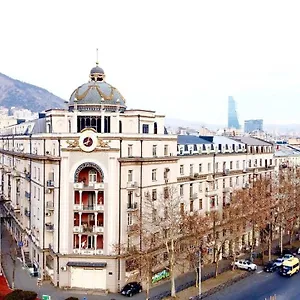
point(179, 58)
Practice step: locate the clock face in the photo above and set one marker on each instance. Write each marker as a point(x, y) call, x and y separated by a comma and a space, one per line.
point(88, 141)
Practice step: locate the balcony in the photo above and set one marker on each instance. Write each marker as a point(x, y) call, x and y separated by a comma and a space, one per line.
point(227, 189)
point(99, 207)
point(27, 212)
point(77, 229)
point(50, 184)
point(49, 227)
point(16, 207)
point(132, 185)
point(15, 173)
point(27, 195)
point(225, 172)
point(99, 186)
point(132, 206)
point(209, 178)
point(211, 192)
point(77, 206)
point(88, 251)
point(78, 185)
point(27, 175)
point(49, 205)
point(98, 229)
point(88, 207)
point(87, 228)
point(193, 196)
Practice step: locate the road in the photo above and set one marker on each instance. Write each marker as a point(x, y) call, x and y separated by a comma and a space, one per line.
point(261, 286)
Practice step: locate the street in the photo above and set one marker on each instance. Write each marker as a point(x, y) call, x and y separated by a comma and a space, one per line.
point(24, 281)
point(261, 286)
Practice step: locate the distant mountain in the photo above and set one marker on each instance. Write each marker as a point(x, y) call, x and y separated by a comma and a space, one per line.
point(24, 95)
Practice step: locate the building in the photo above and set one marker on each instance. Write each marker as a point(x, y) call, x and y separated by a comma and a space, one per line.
point(74, 180)
point(233, 121)
point(253, 125)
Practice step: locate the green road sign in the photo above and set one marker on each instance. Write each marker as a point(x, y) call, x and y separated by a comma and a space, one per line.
point(46, 297)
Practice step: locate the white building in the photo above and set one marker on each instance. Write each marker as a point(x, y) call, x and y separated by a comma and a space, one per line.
point(74, 180)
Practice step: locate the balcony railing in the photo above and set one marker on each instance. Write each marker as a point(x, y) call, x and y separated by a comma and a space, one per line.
point(77, 228)
point(96, 207)
point(211, 192)
point(132, 185)
point(27, 212)
point(132, 206)
point(49, 227)
point(50, 184)
point(193, 196)
point(98, 229)
point(227, 189)
point(49, 205)
point(95, 186)
point(88, 251)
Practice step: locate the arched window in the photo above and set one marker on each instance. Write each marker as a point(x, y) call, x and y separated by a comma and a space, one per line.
point(92, 177)
point(120, 126)
point(155, 128)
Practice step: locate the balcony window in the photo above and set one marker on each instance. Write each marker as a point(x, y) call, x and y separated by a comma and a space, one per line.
point(217, 167)
point(209, 167)
point(166, 150)
point(130, 150)
point(237, 165)
point(200, 204)
point(154, 194)
point(191, 205)
point(145, 128)
point(154, 150)
point(231, 165)
point(130, 175)
point(92, 177)
point(181, 190)
point(181, 170)
point(191, 169)
point(200, 168)
point(154, 171)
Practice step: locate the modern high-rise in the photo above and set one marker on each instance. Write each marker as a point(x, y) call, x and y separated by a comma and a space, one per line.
point(233, 121)
point(253, 125)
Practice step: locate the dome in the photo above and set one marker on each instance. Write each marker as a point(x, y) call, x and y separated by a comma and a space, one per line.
point(96, 94)
point(97, 70)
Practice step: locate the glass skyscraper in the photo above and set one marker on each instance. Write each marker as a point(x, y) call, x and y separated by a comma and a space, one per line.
point(233, 121)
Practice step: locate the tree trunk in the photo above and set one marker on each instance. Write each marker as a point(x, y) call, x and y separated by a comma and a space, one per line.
point(172, 273)
point(270, 248)
point(13, 275)
point(291, 236)
point(217, 268)
point(280, 240)
point(197, 276)
point(148, 287)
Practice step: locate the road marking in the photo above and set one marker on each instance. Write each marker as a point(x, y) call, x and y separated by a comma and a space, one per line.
point(258, 272)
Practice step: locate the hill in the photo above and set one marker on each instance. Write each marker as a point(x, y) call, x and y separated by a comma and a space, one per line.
point(24, 95)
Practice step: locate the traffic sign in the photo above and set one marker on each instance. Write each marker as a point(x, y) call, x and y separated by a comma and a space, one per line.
point(46, 297)
point(20, 244)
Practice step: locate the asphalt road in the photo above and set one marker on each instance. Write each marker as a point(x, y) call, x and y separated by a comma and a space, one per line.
point(261, 286)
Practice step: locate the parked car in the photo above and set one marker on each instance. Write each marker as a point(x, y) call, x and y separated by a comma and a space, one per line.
point(131, 289)
point(279, 261)
point(287, 256)
point(245, 264)
point(270, 267)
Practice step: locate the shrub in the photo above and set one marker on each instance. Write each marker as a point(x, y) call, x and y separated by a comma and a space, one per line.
point(21, 295)
point(72, 298)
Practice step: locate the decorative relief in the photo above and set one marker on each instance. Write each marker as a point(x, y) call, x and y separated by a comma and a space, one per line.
point(72, 143)
point(103, 144)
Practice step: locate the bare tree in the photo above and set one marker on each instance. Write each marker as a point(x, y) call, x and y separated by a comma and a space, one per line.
point(162, 218)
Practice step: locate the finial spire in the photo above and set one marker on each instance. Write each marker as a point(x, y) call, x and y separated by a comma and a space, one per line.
point(97, 62)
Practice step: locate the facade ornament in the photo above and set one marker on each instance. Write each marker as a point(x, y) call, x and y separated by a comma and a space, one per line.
point(103, 144)
point(72, 143)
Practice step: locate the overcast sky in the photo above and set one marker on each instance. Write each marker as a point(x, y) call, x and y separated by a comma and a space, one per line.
point(180, 58)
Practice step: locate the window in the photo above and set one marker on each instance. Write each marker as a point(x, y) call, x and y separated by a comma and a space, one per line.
point(92, 176)
point(166, 150)
point(209, 167)
point(237, 180)
point(38, 194)
point(200, 204)
point(145, 128)
point(191, 205)
point(182, 209)
point(154, 148)
point(166, 193)
point(130, 150)
point(224, 183)
point(231, 165)
point(191, 169)
point(260, 163)
point(154, 194)
point(249, 163)
point(200, 168)
point(155, 128)
point(34, 192)
point(129, 219)
point(181, 190)
point(191, 190)
point(34, 173)
point(166, 173)
point(154, 174)
point(154, 215)
point(217, 167)
point(237, 164)
point(39, 174)
point(181, 170)
point(230, 181)
point(200, 187)
point(130, 175)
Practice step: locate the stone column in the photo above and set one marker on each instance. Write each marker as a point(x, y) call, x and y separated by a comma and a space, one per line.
point(80, 198)
point(96, 199)
point(80, 219)
point(95, 241)
point(79, 241)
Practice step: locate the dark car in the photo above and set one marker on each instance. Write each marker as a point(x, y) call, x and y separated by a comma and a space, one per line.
point(270, 267)
point(131, 289)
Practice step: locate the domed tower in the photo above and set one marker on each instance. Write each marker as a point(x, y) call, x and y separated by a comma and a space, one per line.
point(97, 95)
